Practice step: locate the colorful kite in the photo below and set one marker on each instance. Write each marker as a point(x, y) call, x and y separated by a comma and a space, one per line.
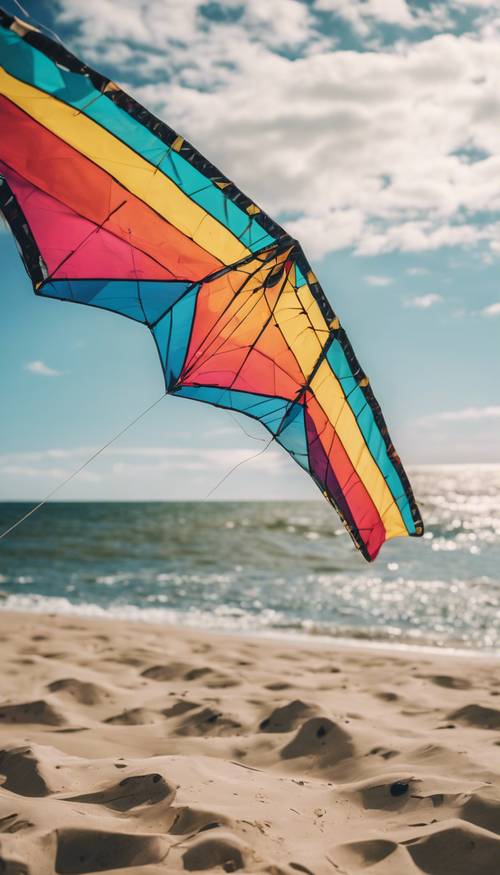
point(111, 208)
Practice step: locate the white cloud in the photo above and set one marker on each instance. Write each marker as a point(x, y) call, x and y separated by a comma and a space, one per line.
point(40, 368)
point(374, 280)
point(31, 471)
point(156, 473)
point(362, 15)
point(491, 310)
point(363, 147)
point(204, 460)
point(468, 414)
point(44, 472)
point(424, 301)
point(416, 271)
point(126, 461)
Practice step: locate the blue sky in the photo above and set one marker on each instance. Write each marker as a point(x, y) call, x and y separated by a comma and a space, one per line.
point(379, 123)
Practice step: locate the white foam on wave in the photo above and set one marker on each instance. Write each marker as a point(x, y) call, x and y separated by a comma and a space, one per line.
point(234, 621)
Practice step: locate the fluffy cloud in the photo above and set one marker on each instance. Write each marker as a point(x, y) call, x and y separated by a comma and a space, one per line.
point(390, 149)
point(156, 472)
point(468, 414)
point(374, 280)
point(41, 369)
point(136, 460)
point(364, 15)
point(491, 310)
point(47, 473)
point(416, 271)
point(424, 301)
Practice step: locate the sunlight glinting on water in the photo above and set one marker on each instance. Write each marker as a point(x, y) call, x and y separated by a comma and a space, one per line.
point(274, 567)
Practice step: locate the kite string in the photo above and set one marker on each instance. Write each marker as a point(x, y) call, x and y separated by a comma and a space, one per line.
point(238, 465)
point(247, 433)
point(78, 470)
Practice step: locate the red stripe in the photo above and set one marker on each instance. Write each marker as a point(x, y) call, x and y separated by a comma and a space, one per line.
point(74, 248)
point(364, 513)
point(57, 169)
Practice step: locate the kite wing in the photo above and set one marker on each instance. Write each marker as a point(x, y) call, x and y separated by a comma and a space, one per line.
point(111, 208)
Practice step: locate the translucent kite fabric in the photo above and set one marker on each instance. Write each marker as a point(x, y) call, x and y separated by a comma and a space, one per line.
point(111, 208)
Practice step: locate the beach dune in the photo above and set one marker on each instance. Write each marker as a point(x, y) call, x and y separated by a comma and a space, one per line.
point(133, 748)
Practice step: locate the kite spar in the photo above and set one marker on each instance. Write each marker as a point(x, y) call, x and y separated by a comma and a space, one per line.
point(112, 208)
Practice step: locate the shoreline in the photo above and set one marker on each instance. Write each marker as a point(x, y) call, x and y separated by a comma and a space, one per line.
point(293, 636)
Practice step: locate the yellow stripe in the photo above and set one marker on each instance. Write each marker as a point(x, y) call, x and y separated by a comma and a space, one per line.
point(132, 171)
point(329, 394)
point(306, 343)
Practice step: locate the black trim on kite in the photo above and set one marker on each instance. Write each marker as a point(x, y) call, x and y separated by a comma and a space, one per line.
point(30, 254)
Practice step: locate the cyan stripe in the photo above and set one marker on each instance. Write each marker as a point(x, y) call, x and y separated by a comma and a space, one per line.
point(144, 301)
point(369, 429)
point(30, 65)
point(172, 335)
point(299, 277)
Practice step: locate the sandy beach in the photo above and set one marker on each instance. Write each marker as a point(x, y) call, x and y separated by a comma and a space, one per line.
point(143, 749)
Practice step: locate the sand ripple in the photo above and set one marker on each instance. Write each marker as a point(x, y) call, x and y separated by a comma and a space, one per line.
point(185, 752)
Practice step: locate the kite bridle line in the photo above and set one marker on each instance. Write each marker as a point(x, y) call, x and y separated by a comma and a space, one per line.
point(81, 468)
point(39, 23)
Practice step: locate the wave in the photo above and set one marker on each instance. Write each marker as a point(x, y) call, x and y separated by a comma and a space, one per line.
point(224, 619)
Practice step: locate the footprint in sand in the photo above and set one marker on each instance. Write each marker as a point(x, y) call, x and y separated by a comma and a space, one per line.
point(39, 711)
point(287, 717)
point(11, 866)
point(12, 823)
point(383, 792)
point(136, 717)
point(169, 672)
point(384, 752)
point(448, 681)
point(224, 851)
point(182, 706)
point(483, 809)
point(212, 679)
point(277, 686)
point(358, 856)
point(23, 772)
point(321, 738)
point(460, 849)
point(81, 851)
point(478, 716)
point(387, 696)
point(83, 692)
point(130, 793)
point(393, 791)
point(190, 820)
point(208, 722)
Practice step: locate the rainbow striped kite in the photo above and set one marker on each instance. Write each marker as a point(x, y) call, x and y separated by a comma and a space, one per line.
point(111, 208)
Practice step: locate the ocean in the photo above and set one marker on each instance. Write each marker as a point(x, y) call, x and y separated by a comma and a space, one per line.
point(269, 567)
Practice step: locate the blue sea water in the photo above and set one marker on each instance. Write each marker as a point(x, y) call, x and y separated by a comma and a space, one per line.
point(269, 567)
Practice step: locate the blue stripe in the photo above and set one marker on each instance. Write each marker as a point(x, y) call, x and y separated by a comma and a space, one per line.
point(268, 410)
point(299, 277)
point(26, 63)
point(369, 429)
point(172, 335)
point(144, 301)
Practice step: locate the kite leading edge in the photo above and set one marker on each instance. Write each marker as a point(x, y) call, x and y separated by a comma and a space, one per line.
point(111, 208)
